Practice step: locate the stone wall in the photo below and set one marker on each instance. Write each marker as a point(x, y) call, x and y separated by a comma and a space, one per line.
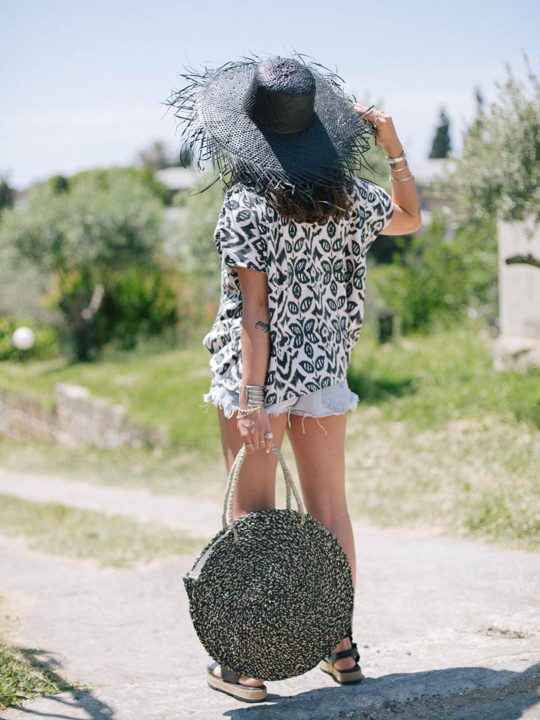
point(76, 419)
point(518, 345)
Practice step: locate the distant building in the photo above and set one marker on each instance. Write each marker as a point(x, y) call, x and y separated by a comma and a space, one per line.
point(178, 179)
point(425, 172)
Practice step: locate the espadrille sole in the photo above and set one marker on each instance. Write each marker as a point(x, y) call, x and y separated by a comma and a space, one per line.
point(246, 693)
point(343, 677)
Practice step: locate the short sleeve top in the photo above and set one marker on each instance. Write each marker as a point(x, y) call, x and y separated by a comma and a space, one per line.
point(316, 274)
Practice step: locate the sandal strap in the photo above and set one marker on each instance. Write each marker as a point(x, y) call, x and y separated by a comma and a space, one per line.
point(354, 669)
point(354, 647)
point(230, 675)
point(351, 652)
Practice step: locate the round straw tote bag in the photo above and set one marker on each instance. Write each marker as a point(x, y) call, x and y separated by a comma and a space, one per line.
point(271, 594)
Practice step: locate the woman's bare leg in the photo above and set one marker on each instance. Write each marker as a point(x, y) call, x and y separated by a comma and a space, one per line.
point(320, 460)
point(256, 486)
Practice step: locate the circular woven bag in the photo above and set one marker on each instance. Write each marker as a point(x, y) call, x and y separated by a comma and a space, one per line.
point(272, 592)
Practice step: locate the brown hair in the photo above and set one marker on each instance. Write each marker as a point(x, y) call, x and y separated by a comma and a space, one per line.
point(321, 204)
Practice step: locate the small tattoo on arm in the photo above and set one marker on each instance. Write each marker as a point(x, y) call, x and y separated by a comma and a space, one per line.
point(263, 325)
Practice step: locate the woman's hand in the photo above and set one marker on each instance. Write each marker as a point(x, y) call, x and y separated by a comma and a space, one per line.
point(385, 132)
point(253, 428)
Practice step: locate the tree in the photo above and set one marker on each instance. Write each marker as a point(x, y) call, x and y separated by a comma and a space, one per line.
point(441, 145)
point(7, 193)
point(103, 176)
point(437, 278)
point(82, 235)
point(498, 174)
point(480, 103)
point(158, 156)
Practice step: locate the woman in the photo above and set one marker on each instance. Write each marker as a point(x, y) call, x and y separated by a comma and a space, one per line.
point(293, 233)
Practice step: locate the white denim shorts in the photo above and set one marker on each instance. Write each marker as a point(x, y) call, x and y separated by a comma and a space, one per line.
point(332, 400)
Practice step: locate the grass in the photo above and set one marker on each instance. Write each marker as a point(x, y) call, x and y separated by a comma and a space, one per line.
point(169, 472)
point(114, 540)
point(163, 389)
point(476, 477)
point(439, 437)
point(26, 674)
point(428, 381)
point(443, 439)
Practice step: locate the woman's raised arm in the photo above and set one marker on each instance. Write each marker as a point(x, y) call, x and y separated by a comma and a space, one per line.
point(406, 217)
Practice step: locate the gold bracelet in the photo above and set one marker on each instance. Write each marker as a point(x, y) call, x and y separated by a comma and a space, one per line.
point(241, 413)
point(405, 167)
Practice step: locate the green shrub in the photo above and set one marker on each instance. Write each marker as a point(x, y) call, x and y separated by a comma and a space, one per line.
point(139, 301)
point(438, 277)
point(136, 301)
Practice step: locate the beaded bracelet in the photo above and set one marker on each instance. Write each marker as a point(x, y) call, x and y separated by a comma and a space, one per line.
point(244, 413)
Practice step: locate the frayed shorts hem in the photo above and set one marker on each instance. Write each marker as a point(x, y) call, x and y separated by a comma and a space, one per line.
point(333, 400)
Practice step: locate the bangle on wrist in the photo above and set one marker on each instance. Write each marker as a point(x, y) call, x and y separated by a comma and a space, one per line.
point(396, 180)
point(254, 396)
point(396, 159)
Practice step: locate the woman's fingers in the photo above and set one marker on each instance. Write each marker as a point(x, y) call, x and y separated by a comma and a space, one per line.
point(383, 124)
point(268, 438)
point(255, 437)
point(251, 437)
point(246, 436)
point(373, 115)
point(369, 112)
point(253, 433)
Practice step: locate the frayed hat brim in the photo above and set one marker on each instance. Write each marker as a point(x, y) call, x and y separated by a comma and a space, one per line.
point(218, 129)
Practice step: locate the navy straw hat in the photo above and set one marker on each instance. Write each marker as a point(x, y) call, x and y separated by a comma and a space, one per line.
point(277, 122)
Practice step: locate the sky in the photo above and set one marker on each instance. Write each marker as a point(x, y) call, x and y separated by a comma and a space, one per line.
point(83, 83)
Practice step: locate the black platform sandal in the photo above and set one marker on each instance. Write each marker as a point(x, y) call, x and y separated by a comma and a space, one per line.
point(343, 677)
point(229, 683)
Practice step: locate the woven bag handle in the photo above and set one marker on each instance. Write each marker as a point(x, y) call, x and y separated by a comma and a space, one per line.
point(290, 486)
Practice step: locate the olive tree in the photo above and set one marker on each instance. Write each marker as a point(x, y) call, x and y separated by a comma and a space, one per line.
point(498, 174)
point(80, 234)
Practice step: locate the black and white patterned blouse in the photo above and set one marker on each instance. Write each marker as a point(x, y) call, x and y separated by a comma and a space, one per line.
point(316, 276)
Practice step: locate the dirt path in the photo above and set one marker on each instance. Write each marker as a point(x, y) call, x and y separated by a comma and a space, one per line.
point(140, 504)
point(447, 628)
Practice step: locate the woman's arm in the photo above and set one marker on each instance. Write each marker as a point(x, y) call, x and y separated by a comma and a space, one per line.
point(255, 345)
point(406, 216)
point(255, 337)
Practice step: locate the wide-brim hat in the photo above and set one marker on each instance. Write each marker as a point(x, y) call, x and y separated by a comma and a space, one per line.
point(273, 122)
